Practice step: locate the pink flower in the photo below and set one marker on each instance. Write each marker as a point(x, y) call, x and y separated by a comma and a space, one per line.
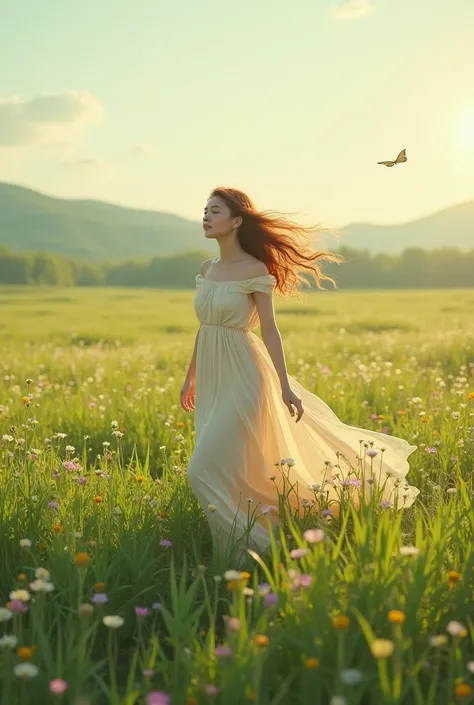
point(53, 505)
point(158, 697)
point(17, 606)
point(148, 672)
point(141, 611)
point(314, 535)
point(211, 689)
point(299, 552)
point(270, 599)
point(223, 651)
point(306, 580)
point(58, 686)
point(371, 452)
point(165, 542)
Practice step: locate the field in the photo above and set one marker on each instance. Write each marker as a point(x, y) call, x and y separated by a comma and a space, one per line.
point(109, 591)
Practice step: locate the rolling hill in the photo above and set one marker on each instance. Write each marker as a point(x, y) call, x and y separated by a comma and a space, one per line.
point(99, 231)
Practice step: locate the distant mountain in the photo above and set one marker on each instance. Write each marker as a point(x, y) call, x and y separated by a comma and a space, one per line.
point(90, 230)
point(453, 227)
point(99, 231)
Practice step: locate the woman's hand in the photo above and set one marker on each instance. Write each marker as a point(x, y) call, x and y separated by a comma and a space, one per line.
point(187, 395)
point(291, 400)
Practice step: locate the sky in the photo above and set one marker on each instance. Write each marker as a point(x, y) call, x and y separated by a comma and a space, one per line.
point(153, 103)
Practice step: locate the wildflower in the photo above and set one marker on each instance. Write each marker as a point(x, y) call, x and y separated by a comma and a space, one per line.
point(351, 676)
point(209, 689)
point(25, 653)
point(166, 543)
point(141, 611)
point(140, 478)
point(212, 507)
point(462, 690)
point(148, 672)
point(41, 586)
point(57, 528)
point(371, 452)
point(327, 513)
point(232, 575)
point(314, 535)
point(223, 651)
point(158, 697)
point(453, 578)
point(98, 587)
point(438, 640)
point(261, 640)
point(113, 621)
point(5, 614)
point(382, 648)
point(99, 598)
point(287, 461)
point(17, 606)
point(98, 499)
point(41, 574)
point(431, 450)
point(86, 610)
point(396, 617)
point(311, 662)
point(25, 543)
point(409, 551)
point(26, 670)
point(233, 624)
point(81, 559)
point(21, 577)
point(53, 505)
point(22, 595)
point(299, 552)
point(156, 606)
point(470, 666)
point(338, 700)
point(58, 686)
point(385, 504)
point(340, 622)
point(8, 641)
point(270, 599)
point(451, 490)
point(456, 629)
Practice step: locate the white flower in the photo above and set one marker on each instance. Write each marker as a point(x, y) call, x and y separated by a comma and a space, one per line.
point(438, 640)
point(70, 449)
point(314, 535)
point(9, 641)
point(25, 543)
point(26, 670)
point(287, 461)
point(351, 676)
point(409, 551)
point(5, 614)
point(338, 700)
point(22, 595)
point(456, 628)
point(113, 621)
point(470, 666)
point(41, 586)
point(232, 575)
point(42, 574)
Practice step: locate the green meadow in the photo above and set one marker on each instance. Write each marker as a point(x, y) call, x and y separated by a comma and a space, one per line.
point(109, 589)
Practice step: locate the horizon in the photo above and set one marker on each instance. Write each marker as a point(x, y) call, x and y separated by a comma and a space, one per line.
point(299, 119)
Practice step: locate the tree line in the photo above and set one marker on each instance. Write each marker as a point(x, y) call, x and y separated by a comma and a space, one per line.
point(413, 268)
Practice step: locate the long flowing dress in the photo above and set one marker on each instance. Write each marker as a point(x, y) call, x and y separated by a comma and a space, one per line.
point(243, 428)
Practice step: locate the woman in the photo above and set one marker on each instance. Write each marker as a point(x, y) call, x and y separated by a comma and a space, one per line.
point(243, 397)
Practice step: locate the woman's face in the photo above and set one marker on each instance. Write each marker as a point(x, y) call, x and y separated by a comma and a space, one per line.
point(218, 221)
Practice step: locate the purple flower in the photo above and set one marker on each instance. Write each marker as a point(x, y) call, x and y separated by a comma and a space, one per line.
point(165, 542)
point(327, 513)
point(99, 598)
point(82, 480)
point(270, 599)
point(141, 611)
point(17, 606)
point(158, 697)
point(53, 505)
point(431, 451)
point(223, 651)
point(386, 504)
point(371, 452)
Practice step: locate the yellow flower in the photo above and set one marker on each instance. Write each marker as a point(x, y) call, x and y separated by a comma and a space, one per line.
point(140, 478)
point(244, 575)
point(311, 662)
point(261, 640)
point(340, 622)
point(21, 577)
point(27, 401)
point(471, 395)
point(25, 653)
point(81, 559)
point(396, 617)
point(463, 690)
point(453, 578)
point(57, 528)
point(382, 648)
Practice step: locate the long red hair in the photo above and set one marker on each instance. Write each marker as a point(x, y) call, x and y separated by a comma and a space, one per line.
point(284, 246)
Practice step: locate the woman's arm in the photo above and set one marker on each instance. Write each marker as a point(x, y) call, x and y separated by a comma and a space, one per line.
point(191, 373)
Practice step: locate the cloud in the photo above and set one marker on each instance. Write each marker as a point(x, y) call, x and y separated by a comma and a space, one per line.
point(144, 149)
point(352, 9)
point(47, 119)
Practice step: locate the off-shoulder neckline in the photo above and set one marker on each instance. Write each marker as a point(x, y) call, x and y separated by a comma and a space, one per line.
point(234, 281)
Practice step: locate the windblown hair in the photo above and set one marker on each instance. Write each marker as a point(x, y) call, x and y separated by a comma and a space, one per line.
point(285, 247)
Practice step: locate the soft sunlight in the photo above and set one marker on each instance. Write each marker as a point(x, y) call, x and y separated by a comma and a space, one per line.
point(467, 130)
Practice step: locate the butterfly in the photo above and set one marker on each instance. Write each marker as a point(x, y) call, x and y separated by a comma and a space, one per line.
point(402, 157)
